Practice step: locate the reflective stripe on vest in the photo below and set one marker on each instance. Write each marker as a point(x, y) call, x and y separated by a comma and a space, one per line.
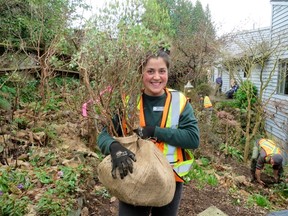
point(269, 147)
point(174, 154)
point(207, 102)
point(183, 168)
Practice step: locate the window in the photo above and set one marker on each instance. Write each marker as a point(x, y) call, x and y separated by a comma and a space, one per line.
point(242, 72)
point(283, 77)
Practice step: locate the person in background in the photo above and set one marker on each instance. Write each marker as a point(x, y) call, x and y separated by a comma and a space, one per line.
point(218, 86)
point(207, 103)
point(233, 89)
point(207, 107)
point(265, 151)
point(172, 135)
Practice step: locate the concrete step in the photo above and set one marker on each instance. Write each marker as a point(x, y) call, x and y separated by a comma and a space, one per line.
point(212, 211)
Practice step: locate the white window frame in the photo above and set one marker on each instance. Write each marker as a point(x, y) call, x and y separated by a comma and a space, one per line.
point(283, 77)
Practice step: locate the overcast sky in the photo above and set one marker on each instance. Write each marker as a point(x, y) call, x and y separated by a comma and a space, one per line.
point(231, 15)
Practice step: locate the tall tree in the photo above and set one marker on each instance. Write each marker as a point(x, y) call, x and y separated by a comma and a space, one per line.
point(194, 41)
point(157, 18)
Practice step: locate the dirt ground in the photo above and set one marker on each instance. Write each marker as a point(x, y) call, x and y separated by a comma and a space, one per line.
point(230, 196)
point(195, 200)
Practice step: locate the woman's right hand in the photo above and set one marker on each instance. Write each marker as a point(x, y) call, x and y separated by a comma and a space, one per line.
point(122, 159)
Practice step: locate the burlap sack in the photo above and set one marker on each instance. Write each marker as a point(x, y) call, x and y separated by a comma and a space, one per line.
point(152, 182)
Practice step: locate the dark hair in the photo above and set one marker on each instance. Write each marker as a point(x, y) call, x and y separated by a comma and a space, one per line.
point(160, 54)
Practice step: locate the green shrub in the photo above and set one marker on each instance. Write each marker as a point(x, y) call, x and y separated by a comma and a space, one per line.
point(232, 151)
point(4, 104)
point(7, 93)
point(282, 188)
point(202, 178)
point(51, 204)
point(61, 195)
point(246, 92)
point(259, 200)
point(58, 83)
point(224, 105)
point(204, 89)
point(18, 86)
point(12, 183)
point(10, 179)
point(205, 161)
point(13, 205)
point(29, 92)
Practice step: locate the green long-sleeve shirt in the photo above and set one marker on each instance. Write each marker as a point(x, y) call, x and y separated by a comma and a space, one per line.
point(186, 136)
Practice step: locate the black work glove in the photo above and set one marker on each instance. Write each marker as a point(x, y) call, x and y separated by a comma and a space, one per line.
point(122, 159)
point(145, 132)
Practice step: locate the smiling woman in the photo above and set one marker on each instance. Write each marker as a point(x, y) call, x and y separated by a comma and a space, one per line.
point(155, 76)
point(167, 118)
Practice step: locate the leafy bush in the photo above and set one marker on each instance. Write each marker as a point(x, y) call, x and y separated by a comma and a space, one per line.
point(18, 86)
point(204, 89)
point(6, 94)
point(4, 104)
point(232, 151)
point(65, 185)
point(29, 92)
point(69, 83)
point(53, 103)
point(205, 161)
point(223, 105)
point(13, 205)
point(10, 180)
point(199, 174)
point(247, 92)
point(51, 204)
point(282, 188)
point(259, 200)
point(12, 183)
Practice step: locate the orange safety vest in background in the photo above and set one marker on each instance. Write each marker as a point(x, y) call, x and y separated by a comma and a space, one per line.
point(207, 102)
point(269, 147)
point(174, 105)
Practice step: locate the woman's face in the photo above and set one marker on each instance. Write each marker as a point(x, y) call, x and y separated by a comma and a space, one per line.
point(155, 76)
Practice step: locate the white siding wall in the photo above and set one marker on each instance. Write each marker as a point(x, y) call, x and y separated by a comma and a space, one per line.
point(279, 30)
point(226, 81)
point(277, 124)
point(237, 45)
point(225, 77)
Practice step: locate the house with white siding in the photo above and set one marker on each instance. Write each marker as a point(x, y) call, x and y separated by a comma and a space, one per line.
point(237, 44)
point(269, 49)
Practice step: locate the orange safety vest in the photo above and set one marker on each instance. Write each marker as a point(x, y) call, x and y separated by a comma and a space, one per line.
point(207, 102)
point(180, 159)
point(269, 147)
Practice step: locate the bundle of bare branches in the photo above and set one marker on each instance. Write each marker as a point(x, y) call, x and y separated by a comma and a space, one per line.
point(113, 47)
